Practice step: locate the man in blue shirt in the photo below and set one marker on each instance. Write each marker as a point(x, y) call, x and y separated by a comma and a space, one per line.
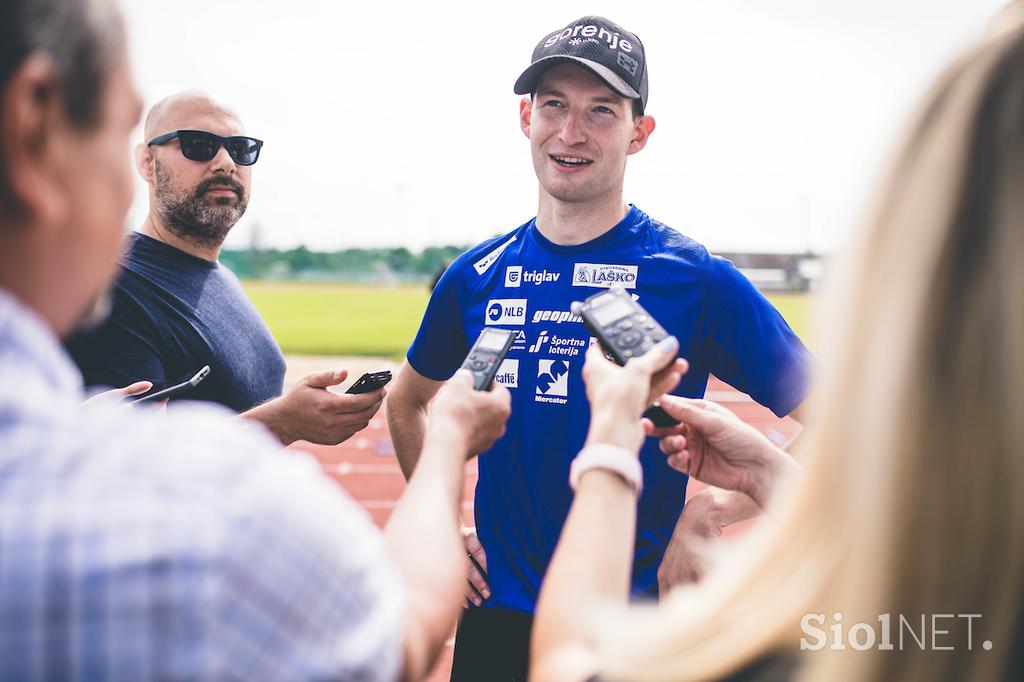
point(585, 115)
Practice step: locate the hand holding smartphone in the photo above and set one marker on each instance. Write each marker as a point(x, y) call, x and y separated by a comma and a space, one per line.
point(371, 381)
point(175, 391)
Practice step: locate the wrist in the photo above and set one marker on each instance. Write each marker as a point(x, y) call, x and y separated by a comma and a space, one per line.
point(776, 471)
point(614, 430)
point(447, 441)
point(269, 414)
point(621, 462)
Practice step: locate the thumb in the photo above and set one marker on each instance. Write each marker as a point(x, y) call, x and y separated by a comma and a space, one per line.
point(137, 388)
point(660, 356)
point(689, 412)
point(325, 378)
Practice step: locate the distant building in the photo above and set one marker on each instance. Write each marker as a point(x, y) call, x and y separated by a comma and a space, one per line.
point(795, 272)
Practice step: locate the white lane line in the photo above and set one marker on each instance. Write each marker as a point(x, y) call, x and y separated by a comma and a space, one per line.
point(345, 468)
point(390, 504)
point(728, 397)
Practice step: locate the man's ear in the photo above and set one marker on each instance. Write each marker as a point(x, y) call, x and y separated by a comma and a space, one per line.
point(32, 123)
point(144, 162)
point(525, 115)
point(643, 126)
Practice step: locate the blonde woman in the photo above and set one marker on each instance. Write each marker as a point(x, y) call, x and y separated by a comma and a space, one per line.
point(899, 552)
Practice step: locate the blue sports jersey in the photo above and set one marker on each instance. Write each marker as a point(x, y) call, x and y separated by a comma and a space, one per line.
point(524, 282)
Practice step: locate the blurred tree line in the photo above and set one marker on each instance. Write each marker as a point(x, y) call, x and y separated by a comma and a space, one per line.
point(397, 264)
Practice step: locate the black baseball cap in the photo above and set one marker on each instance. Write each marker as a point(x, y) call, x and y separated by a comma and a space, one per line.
point(607, 50)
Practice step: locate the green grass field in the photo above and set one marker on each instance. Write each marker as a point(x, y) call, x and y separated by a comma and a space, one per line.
point(336, 319)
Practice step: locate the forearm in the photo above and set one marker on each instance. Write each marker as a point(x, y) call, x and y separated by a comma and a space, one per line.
point(423, 538)
point(590, 570)
point(407, 421)
point(269, 414)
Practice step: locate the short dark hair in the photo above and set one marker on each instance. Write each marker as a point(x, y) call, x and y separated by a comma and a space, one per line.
point(82, 37)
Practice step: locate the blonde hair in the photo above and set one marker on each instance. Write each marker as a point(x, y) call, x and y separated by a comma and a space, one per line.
point(910, 503)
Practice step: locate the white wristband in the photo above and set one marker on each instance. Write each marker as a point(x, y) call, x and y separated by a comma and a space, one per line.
point(612, 458)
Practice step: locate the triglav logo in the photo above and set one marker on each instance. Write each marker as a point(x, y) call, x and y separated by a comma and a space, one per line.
point(604, 276)
point(514, 276)
point(593, 32)
point(552, 381)
point(485, 263)
point(508, 373)
point(506, 311)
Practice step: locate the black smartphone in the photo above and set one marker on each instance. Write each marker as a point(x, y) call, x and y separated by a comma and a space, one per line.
point(371, 381)
point(486, 355)
point(177, 390)
point(625, 330)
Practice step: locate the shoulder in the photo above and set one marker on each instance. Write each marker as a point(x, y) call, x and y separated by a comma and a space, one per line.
point(674, 250)
point(484, 255)
point(469, 269)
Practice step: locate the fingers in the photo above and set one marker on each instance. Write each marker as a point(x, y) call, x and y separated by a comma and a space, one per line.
point(325, 378)
point(136, 388)
point(657, 357)
point(463, 378)
point(668, 378)
point(348, 403)
point(695, 412)
point(479, 591)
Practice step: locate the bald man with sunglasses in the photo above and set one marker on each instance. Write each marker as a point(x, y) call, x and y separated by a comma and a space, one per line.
point(175, 309)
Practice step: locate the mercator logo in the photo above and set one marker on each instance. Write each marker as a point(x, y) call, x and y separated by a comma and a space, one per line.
point(552, 381)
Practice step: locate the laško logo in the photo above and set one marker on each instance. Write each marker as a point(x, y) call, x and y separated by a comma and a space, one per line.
point(604, 276)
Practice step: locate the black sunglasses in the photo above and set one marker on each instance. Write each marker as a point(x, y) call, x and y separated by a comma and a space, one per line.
point(199, 145)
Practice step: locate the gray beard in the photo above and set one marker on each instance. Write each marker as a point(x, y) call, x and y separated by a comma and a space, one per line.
point(193, 217)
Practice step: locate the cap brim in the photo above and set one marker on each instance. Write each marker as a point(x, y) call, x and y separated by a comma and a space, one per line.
point(527, 82)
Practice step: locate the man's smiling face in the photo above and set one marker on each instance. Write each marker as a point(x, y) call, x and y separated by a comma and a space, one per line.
point(580, 134)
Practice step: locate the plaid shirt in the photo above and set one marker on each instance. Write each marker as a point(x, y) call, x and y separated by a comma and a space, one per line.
point(139, 545)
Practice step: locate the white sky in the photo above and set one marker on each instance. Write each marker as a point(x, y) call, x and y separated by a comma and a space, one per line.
point(394, 123)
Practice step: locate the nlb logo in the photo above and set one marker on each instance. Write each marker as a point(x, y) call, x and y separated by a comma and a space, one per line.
point(505, 311)
point(604, 276)
point(508, 373)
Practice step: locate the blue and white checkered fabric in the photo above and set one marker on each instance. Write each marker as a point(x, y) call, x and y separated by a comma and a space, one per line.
point(139, 545)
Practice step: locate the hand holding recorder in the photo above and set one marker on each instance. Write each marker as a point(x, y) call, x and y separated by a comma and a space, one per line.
point(625, 331)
